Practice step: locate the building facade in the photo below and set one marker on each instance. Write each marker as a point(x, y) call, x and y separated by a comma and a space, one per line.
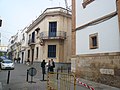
point(17, 46)
point(22, 44)
point(97, 40)
point(3, 48)
point(49, 36)
point(14, 46)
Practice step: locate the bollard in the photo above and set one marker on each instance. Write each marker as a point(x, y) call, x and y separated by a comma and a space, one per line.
point(61, 69)
point(27, 76)
point(57, 73)
point(32, 75)
point(8, 77)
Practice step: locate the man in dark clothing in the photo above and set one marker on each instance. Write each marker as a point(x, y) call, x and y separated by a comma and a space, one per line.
point(43, 63)
point(15, 60)
point(19, 59)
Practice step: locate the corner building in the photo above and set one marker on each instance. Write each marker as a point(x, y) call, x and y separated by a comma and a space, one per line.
point(49, 36)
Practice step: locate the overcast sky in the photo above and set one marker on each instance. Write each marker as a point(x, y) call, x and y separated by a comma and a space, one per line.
point(16, 14)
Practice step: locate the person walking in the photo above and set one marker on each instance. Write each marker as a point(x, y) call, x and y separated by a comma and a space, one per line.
point(28, 62)
point(43, 63)
point(19, 59)
point(15, 60)
point(52, 65)
point(48, 66)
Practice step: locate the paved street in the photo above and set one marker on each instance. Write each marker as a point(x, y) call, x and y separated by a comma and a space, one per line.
point(18, 80)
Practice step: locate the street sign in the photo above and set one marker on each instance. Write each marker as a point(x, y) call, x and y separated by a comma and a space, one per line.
point(32, 71)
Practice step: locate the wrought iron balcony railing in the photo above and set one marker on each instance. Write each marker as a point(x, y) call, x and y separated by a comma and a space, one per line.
point(53, 35)
point(31, 42)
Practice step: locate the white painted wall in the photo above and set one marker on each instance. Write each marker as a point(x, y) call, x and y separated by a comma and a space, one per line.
point(108, 31)
point(93, 11)
point(108, 37)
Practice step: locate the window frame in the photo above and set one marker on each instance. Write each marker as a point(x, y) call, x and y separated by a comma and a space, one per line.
point(23, 36)
point(52, 29)
point(52, 53)
point(91, 41)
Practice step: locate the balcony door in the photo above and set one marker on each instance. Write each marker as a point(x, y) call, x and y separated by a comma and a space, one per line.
point(33, 37)
point(32, 56)
point(52, 29)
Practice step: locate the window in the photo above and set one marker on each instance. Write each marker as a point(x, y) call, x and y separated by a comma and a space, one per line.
point(23, 36)
point(51, 51)
point(52, 29)
point(37, 49)
point(33, 37)
point(93, 41)
point(28, 53)
point(29, 39)
point(29, 36)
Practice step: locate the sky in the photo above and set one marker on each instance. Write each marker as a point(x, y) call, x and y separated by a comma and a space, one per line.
point(17, 14)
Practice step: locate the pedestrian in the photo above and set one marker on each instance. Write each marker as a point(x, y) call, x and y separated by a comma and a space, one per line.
point(19, 59)
point(15, 60)
point(43, 63)
point(28, 62)
point(52, 65)
point(48, 66)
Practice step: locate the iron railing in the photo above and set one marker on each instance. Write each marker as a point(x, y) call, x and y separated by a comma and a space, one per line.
point(53, 35)
point(31, 41)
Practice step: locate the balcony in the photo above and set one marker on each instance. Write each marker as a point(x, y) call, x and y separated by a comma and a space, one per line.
point(31, 42)
point(53, 35)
